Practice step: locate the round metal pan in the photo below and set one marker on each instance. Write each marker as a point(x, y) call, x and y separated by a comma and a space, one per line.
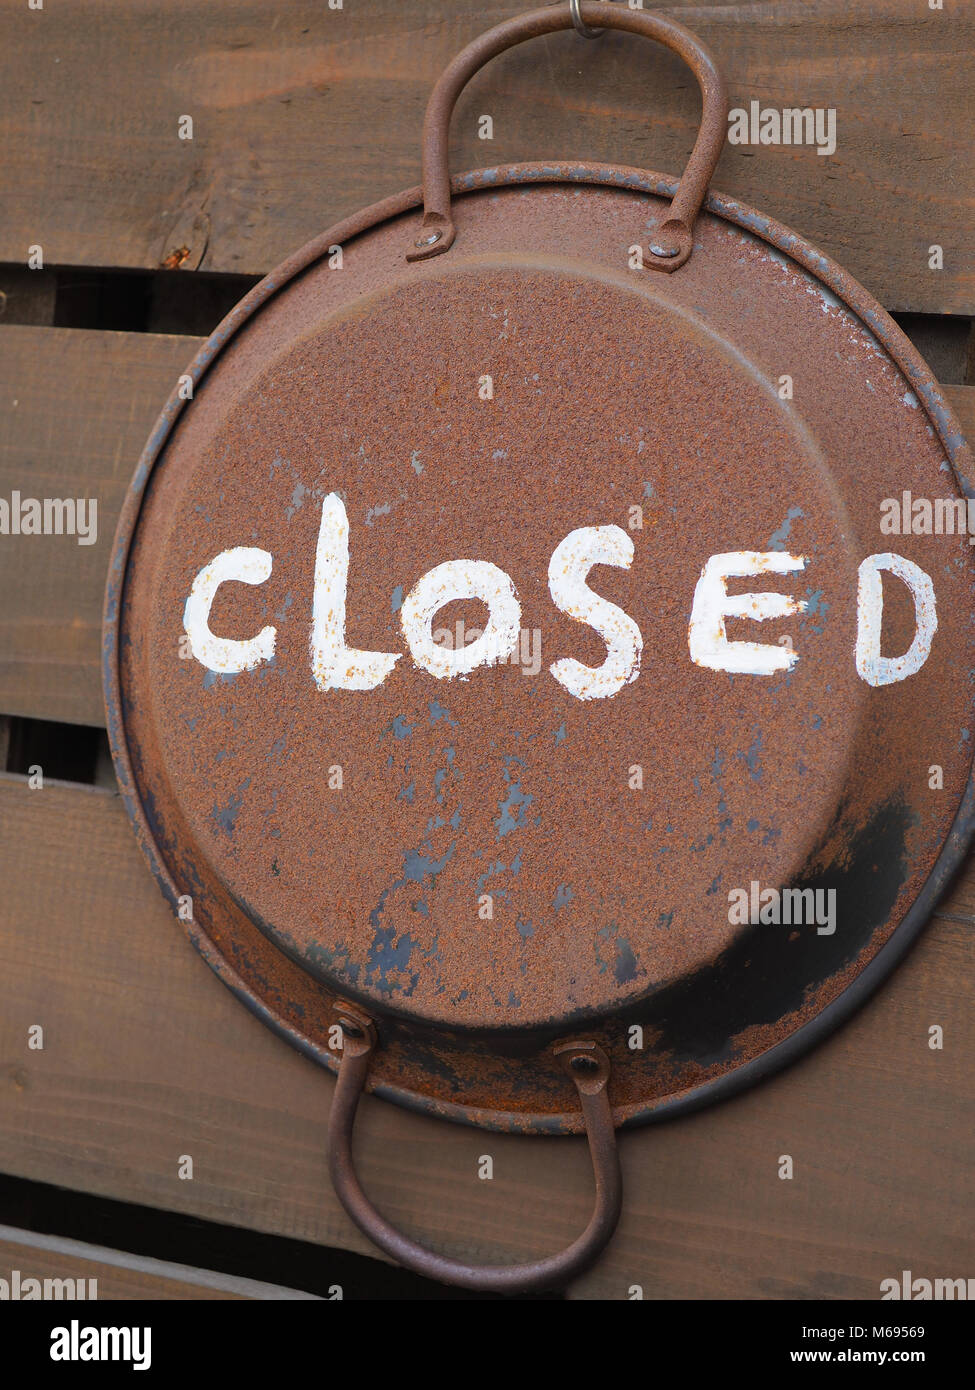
point(546, 369)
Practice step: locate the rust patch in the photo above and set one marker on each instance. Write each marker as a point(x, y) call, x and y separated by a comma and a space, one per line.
point(175, 259)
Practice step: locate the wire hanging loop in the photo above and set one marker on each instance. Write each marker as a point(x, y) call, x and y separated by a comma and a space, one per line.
point(580, 25)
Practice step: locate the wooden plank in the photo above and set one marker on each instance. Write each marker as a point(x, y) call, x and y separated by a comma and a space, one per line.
point(96, 1273)
point(146, 1058)
point(305, 115)
point(76, 408)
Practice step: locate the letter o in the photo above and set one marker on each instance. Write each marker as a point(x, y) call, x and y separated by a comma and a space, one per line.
point(447, 583)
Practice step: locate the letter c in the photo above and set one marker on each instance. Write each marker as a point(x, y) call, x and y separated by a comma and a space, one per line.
point(247, 565)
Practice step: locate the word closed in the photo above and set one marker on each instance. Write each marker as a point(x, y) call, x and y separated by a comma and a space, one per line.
point(336, 666)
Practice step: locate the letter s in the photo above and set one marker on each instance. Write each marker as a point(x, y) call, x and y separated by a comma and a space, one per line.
point(571, 561)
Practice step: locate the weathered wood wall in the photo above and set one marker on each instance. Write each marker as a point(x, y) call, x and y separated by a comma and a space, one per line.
point(302, 114)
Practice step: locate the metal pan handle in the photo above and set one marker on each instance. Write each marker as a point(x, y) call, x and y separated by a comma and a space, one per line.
point(673, 240)
point(588, 1067)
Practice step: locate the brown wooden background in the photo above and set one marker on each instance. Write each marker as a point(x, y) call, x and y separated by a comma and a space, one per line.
point(302, 114)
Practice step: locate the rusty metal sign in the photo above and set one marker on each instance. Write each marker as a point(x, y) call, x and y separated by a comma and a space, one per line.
point(509, 674)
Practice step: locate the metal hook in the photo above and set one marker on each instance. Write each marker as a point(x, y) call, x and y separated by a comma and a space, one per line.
point(580, 26)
